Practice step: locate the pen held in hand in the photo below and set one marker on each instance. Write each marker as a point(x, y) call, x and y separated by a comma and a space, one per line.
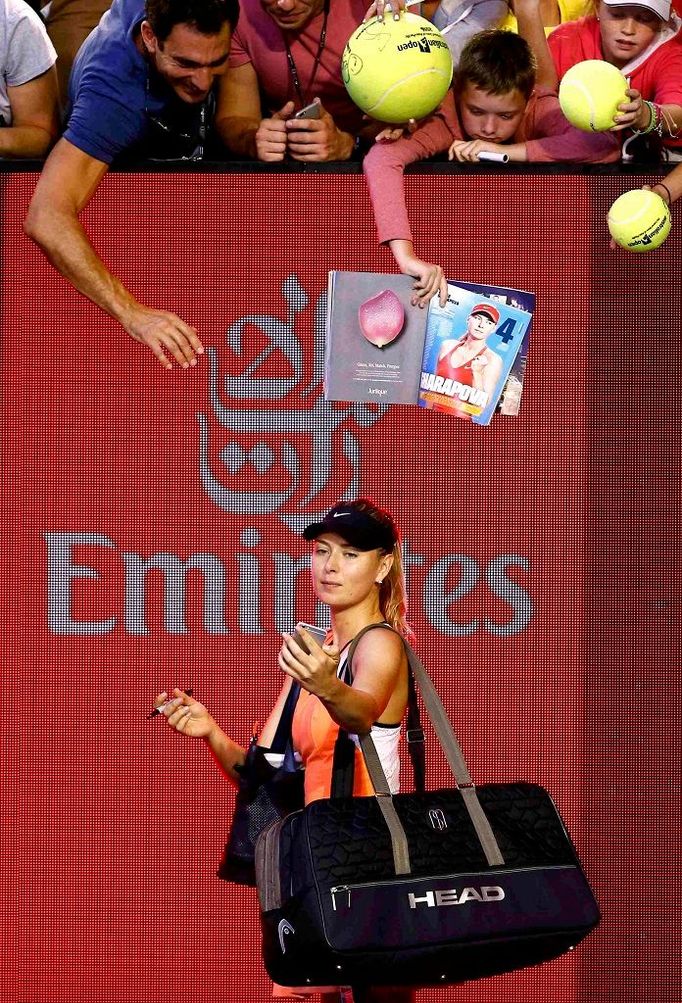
point(160, 709)
point(494, 156)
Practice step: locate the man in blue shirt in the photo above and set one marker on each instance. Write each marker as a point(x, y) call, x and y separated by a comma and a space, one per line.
point(141, 80)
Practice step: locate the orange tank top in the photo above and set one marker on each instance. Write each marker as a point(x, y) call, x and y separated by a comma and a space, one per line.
point(314, 734)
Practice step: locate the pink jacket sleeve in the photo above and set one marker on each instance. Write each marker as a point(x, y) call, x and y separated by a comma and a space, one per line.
point(552, 139)
point(385, 164)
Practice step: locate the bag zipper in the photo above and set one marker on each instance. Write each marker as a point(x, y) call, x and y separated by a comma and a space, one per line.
point(339, 888)
point(347, 890)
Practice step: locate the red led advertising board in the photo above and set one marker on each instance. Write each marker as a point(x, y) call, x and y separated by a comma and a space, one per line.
point(151, 535)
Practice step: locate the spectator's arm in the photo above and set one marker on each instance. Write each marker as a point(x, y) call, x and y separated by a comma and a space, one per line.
point(69, 180)
point(555, 140)
point(461, 23)
point(670, 189)
point(531, 28)
point(239, 112)
point(384, 167)
point(35, 117)
point(636, 113)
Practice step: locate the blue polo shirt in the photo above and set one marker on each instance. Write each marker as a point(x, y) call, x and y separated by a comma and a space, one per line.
point(112, 93)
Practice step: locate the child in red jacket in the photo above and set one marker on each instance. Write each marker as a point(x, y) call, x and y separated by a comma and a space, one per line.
point(644, 41)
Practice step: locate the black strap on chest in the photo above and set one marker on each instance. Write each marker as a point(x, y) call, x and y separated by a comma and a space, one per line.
point(343, 768)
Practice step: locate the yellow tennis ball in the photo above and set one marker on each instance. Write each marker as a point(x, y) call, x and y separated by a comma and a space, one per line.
point(639, 220)
point(589, 94)
point(397, 70)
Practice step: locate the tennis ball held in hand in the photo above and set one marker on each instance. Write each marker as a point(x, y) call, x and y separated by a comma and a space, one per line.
point(397, 70)
point(589, 95)
point(639, 220)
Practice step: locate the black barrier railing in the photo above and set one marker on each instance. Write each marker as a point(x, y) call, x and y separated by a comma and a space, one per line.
point(439, 166)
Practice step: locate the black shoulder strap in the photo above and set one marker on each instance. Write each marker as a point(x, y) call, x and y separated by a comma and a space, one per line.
point(344, 749)
point(343, 766)
point(283, 732)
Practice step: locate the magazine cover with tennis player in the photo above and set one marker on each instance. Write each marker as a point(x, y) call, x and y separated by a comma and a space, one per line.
point(470, 347)
point(510, 399)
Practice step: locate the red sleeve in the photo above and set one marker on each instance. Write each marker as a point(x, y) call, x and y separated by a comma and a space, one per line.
point(239, 55)
point(552, 139)
point(385, 164)
point(559, 48)
point(667, 70)
point(573, 42)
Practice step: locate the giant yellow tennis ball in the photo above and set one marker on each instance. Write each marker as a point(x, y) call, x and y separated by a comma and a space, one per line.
point(590, 93)
point(639, 220)
point(397, 70)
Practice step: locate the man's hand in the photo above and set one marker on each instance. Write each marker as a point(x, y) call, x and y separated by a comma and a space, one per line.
point(69, 179)
point(318, 139)
point(632, 114)
point(163, 333)
point(271, 137)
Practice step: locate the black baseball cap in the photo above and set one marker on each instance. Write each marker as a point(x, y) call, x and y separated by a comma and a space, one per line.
point(357, 526)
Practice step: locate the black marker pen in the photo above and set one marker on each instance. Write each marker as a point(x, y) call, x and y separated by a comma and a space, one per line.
point(162, 707)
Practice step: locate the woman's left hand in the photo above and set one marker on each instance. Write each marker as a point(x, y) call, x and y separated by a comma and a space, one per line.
point(315, 669)
point(632, 114)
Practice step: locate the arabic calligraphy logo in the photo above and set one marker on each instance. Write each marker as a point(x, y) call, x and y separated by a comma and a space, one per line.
point(282, 436)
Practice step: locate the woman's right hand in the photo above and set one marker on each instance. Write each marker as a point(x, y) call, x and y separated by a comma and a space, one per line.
point(185, 714)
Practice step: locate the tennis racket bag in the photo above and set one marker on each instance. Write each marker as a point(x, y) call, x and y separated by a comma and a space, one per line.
point(427, 888)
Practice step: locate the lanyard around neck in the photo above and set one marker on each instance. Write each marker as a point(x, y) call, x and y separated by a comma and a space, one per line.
point(293, 69)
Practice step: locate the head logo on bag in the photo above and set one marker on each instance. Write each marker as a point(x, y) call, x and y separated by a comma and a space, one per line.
point(437, 819)
point(450, 896)
point(283, 928)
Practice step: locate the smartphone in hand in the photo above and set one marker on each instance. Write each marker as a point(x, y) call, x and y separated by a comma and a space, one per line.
point(318, 633)
point(310, 111)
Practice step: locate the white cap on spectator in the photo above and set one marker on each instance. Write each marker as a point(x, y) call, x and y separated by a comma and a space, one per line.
point(659, 7)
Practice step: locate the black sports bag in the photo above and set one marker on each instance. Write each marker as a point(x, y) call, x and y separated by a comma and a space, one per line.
point(420, 889)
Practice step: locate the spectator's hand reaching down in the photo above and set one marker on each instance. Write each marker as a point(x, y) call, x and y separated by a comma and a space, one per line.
point(165, 334)
point(429, 277)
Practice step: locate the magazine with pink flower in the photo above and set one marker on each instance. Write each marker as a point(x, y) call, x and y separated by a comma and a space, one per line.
point(458, 358)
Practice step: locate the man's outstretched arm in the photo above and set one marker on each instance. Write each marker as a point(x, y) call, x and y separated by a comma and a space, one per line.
point(68, 181)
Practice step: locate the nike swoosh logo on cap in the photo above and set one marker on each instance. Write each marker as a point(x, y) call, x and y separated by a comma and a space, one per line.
point(337, 515)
